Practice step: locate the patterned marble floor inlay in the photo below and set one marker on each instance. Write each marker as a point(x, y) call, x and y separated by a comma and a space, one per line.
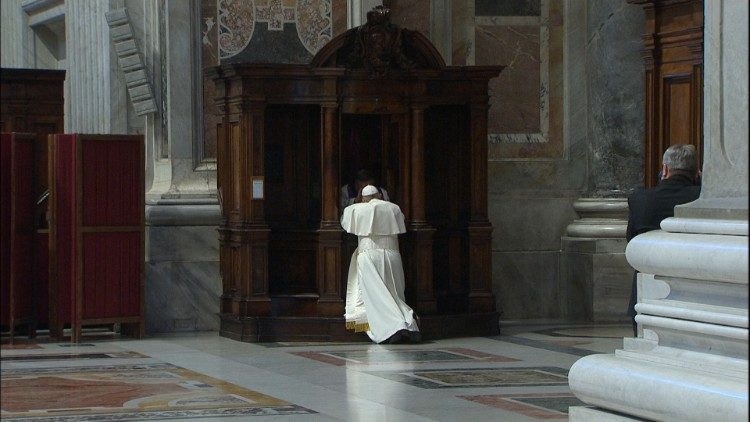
point(535, 405)
point(128, 392)
point(385, 356)
point(19, 346)
point(69, 356)
point(201, 376)
point(479, 377)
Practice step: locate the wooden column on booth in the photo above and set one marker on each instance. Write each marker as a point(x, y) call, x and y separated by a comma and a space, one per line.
point(255, 231)
point(243, 234)
point(481, 298)
point(330, 302)
point(421, 233)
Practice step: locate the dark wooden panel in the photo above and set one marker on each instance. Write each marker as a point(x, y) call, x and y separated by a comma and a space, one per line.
point(673, 58)
point(677, 93)
point(32, 100)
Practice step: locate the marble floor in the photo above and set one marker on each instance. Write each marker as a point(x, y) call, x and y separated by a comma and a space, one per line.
point(520, 375)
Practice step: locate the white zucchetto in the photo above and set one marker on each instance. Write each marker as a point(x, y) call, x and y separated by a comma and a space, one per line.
point(369, 190)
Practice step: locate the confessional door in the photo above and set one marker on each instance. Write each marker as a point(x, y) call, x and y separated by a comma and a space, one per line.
point(292, 209)
point(373, 142)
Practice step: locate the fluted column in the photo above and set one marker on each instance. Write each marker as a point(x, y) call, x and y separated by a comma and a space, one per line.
point(89, 70)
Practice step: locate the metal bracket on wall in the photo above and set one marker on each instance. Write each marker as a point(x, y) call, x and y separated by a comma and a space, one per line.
point(131, 62)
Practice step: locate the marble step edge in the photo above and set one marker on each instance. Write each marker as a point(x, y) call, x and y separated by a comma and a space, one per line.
point(699, 312)
point(692, 292)
point(705, 226)
point(693, 327)
point(591, 414)
point(655, 391)
point(689, 360)
point(704, 257)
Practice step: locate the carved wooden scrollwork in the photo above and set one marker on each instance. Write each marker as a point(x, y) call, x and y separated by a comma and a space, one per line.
point(378, 45)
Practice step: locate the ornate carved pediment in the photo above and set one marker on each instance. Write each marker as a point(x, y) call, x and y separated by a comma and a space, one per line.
point(380, 47)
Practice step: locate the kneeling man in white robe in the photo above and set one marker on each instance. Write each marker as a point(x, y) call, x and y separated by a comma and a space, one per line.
point(375, 286)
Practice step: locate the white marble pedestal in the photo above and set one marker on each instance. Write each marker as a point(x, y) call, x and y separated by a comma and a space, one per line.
point(690, 360)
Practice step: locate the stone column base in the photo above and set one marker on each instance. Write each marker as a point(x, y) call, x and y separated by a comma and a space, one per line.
point(689, 362)
point(596, 278)
point(593, 414)
point(182, 283)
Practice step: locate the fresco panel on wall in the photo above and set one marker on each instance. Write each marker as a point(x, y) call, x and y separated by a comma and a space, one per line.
point(272, 31)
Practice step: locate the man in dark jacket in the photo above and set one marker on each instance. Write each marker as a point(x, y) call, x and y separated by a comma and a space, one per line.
point(679, 184)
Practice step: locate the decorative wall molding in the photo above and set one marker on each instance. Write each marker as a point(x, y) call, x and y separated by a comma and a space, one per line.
point(131, 62)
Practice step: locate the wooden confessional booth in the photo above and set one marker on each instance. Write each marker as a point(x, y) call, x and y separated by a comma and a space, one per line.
point(377, 97)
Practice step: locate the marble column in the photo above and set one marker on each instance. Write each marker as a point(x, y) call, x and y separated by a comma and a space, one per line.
point(690, 359)
point(595, 277)
point(182, 213)
point(18, 39)
point(90, 73)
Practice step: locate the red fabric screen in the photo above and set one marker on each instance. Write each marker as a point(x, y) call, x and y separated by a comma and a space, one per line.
point(23, 162)
point(41, 274)
point(65, 228)
point(99, 213)
point(111, 269)
point(19, 158)
point(111, 182)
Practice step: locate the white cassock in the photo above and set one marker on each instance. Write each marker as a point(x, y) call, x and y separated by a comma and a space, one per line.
point(375, 285)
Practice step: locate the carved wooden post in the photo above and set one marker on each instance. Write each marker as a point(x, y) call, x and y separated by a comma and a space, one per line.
point(228, 245)
point(481, 298)
point(329, 284)
point(243, 234)
point(421, 233)
point(254, 231)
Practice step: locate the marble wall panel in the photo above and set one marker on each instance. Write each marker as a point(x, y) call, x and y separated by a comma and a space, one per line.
point(576, 273)
point(209, 58)
point(525, 284)
point(595, 280)
point(182, 275)
point(508, 7)
point(412, 14)
point(614, 74)
point(526, 114)
point(196, 243)
point(462, 32)
point(514, 95)
point(186, 297)
point(558, 178)
point(339, 17)
point(612, 286)
point(528, 222)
